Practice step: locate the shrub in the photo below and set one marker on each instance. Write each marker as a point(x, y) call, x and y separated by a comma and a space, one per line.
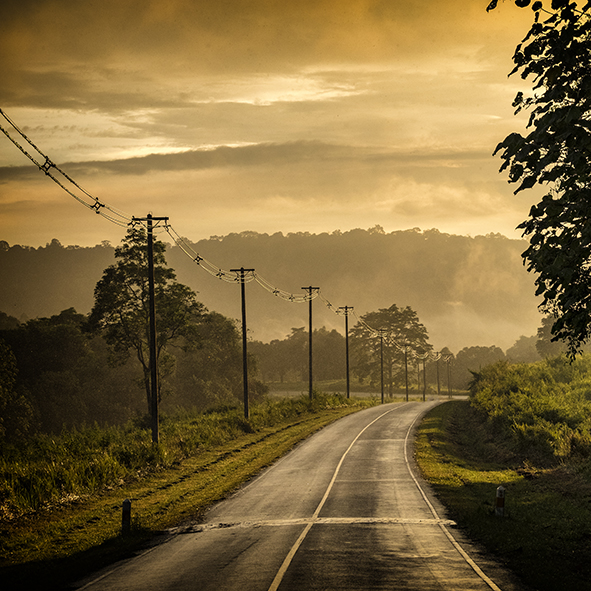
point(543, 408)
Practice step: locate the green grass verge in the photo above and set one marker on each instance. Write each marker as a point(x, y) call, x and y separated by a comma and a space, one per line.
point(56, 545)
point(545, 535)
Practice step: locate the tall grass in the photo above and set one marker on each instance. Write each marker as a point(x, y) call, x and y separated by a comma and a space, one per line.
point(527, 427)
point(541, 409)
point(51, 470)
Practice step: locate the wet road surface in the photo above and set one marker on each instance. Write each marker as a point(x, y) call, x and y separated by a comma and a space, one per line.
point(345, 510)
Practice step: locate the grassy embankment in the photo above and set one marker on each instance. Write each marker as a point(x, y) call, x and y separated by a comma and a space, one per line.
point(527, 428)
point(61, 497)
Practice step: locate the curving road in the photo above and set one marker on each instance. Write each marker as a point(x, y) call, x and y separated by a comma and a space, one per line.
point(345, 510)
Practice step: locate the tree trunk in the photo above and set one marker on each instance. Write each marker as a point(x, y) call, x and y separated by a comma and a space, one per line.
point(148, 389)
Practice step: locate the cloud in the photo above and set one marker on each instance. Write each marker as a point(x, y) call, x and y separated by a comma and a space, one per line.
point(315, 154)
point(65, 53)
point(258, 113)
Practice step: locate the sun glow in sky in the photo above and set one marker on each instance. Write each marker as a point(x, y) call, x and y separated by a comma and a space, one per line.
point(260, 115)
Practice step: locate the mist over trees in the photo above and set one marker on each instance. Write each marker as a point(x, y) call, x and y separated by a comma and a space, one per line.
point(73, 369)
point(467, 291)
point(121, 308)
point(55, 372)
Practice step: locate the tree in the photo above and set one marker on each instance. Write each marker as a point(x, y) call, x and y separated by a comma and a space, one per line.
point(16, 413)
point(328, 354)
point(544, 344)
point(211, 375)
point(524, 350)
point(47, 353)
point(121, 307)
point(557, 152)
point(288, 358)
point(402, 332)
point(472, 359)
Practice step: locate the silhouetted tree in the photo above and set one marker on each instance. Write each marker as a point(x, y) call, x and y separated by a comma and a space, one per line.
point(524, 350)
point(16, 412)
point(211, 374)
point(121, 308)
point(557, 152)
point(8, 322)
point(288, 358)
point(328, 354)
point(545, 346)
point(473, 359)
point(402, 331)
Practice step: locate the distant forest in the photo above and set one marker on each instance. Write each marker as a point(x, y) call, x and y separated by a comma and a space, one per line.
point(467, 291)
point(54, 370)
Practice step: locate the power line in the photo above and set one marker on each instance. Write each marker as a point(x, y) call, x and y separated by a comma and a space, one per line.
point(118, 217)
point(45, 165)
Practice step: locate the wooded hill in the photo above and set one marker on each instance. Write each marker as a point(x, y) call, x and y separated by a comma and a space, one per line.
point(467, 291)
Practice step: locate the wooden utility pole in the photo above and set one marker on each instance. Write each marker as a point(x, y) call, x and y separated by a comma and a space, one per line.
point(406, 369)
point(381, 331)
point(449, 377)
point(438, 384)
point(346, 310)
point(242, 271)
point(310, 290)
point(154, 411)
point(424, 378)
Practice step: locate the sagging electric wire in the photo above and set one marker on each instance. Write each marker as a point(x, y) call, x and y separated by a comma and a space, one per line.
point(45, 165)
point(227, 276)
point(285, 295)
point(122, 219)
point(232, 276)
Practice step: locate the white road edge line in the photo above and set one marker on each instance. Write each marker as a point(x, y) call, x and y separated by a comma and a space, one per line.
point(283, 569)
point(457, 546)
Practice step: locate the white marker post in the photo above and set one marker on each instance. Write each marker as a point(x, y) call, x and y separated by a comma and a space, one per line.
point(500, 502)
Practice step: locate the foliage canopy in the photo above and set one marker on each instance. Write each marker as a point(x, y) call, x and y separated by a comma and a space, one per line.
point(121, 308)
point(402, 331)
point(556, 54)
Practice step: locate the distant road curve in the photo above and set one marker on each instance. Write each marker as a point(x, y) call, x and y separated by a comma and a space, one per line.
point(345, 510)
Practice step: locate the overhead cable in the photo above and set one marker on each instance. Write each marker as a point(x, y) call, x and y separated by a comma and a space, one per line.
point(45, 165)
point(232, 276)
point(227, 276)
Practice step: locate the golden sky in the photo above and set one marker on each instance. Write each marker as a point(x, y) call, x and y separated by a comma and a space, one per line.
point(262, 115)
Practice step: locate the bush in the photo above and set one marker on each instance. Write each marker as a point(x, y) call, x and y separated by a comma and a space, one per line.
point(543, 409)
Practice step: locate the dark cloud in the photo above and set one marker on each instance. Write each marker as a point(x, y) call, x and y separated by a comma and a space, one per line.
point(64, 48)
point(246, 110)
point(265, 155)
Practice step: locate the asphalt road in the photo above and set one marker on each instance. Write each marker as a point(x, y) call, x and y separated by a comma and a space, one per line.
point(345, 510)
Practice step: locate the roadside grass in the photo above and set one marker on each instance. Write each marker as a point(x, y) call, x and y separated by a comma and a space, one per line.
point(63, 540)
point(357, 387)
point(545, 535)
point(333, 386)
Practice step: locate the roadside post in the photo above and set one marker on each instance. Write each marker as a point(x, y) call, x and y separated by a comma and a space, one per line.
point(126, 517)
point(500, 502)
